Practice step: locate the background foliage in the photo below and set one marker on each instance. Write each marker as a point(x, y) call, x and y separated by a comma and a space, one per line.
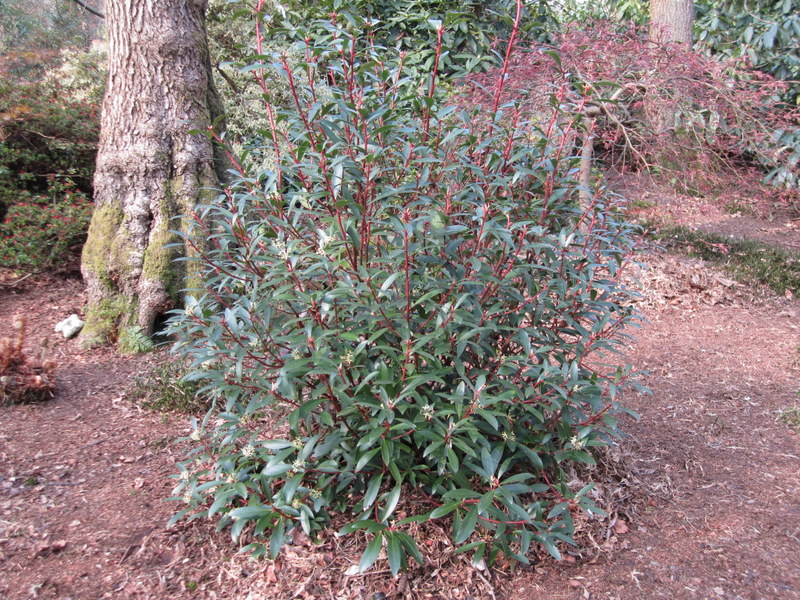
point(28, 25)
point(51, 85)
point(765, 34)
point(674, 110)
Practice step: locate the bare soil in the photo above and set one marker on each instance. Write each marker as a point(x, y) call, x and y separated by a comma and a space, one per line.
point(705, 503)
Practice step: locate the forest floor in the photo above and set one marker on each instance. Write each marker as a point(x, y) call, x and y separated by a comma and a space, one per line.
point(704, 491)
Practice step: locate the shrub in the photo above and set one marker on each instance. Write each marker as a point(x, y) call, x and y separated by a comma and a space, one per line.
point(660, 106)
point(411, 305)
point(48, 125)
point(22, 378)
point(39, 230)
point(762, 33)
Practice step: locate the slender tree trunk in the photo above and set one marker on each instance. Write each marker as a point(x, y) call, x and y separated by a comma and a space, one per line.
point(150, 168)
point(671, 21)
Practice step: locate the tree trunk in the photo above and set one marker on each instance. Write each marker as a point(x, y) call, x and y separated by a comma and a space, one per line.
point(150, 168)
point(671, 21)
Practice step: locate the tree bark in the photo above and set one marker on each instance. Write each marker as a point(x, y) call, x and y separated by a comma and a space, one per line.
point(150, 168)
point(671, 21)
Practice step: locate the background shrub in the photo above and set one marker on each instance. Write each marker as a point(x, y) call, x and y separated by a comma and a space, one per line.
point(48, 126)
point(164, 390)
point(39, 231)
point(408, 311)
point(713, 116)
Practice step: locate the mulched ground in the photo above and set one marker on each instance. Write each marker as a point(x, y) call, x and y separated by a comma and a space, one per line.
point(704, 492)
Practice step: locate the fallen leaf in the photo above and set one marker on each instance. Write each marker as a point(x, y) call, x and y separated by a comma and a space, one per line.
point(270, 575)
point(620, 527)
point(725, 282)
point(299, 538)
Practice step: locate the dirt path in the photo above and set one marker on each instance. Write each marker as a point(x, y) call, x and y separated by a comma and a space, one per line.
point(724, 521)
point(83, 478)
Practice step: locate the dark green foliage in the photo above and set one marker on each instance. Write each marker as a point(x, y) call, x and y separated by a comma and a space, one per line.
point(764, 33)
point(409, 305)
point(45, 130)
point(40, 230)
point(132, 340)
point(49, 127)
point(474, 38)
point(749, 261)
point(45, 25)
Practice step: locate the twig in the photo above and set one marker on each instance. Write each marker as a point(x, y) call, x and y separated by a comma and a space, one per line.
point(487, 582)
point(228, 80)
point(18, 281)
point(127, 553)
point(96, 13)
point(94, 443)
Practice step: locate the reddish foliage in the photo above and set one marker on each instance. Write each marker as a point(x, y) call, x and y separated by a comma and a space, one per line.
point(662, 105)
point(23, 379)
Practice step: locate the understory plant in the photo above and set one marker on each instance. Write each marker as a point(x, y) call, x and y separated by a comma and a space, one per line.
point(408, 318)
point(39, 230)
point(23, 378)
point(49, 122)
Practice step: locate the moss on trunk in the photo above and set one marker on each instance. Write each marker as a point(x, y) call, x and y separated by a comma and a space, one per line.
point(97, 256)
point(104, 320)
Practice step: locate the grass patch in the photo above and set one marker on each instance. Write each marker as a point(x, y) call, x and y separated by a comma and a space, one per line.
point(163, 390)
point(791, 417)
point(739, 208)
point(640, 204)
point(749, 261)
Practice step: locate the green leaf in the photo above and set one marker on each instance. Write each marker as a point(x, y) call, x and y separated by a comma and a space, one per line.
point(486, 501)
point(178, 516)
point(236, 529)
point(277, 539)
point(276, 469)
point(370, 525)
point(276, 444)
point(467, 526)
point(371, 553)
point(305, 520)
point(391, 503)
point(445, 509)
point(365, 458)
point(251, 512)
point(372, 490)
point(547, 542)
point(468, 547)
point(394, 553)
